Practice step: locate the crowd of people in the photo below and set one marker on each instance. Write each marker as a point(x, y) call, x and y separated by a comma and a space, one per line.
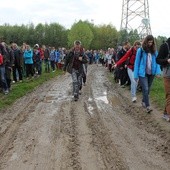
point(17, 63)
point(135, 65)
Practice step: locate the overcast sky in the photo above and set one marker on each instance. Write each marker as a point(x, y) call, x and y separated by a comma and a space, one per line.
point(67, 12)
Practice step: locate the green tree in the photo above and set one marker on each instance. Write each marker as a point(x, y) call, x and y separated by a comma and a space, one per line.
point(106, 36)
point(160, 40)
point(80, 31)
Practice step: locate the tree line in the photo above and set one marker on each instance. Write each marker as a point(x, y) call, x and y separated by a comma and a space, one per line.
point(53, 34)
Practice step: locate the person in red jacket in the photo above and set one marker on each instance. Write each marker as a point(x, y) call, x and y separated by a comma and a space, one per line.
point(129, 60)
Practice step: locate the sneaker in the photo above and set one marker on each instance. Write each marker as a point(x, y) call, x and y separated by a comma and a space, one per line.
point(13, 81)
point(6, 92)
point(122, 86)
point(80, 92)
point(166, 117)
point(143, 105)
point(148, 110)
point(134, 99)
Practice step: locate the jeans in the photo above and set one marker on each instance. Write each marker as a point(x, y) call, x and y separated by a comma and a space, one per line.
point(38, 67)
point(3, 78)
point(146, 83)
point(77, 81)
point(133, 82)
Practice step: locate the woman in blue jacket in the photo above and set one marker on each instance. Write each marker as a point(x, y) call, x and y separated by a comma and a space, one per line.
point(146, 68)
point(28, 60)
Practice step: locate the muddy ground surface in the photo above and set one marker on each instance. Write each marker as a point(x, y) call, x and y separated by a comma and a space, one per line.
point(103, 130)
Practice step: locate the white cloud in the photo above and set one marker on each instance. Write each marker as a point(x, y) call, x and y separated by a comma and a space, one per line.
point(66, 12)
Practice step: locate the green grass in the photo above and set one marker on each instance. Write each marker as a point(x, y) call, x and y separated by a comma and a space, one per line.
point(21, 89)
point(158, 93)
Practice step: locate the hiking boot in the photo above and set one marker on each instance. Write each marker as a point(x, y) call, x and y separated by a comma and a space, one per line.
point(148, 110)
point(166, 117)
point(134, 99)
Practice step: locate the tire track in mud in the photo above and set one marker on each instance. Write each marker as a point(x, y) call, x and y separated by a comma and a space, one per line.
point(74, 143)
point(9, 135)
point(10, 132)
point(104, 146)
point(65, 138)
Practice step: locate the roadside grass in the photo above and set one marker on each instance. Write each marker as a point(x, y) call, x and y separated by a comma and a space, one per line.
point(20, 89)
point(157, 93)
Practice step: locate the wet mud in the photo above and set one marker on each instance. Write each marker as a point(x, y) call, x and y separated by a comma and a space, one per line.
point(48, 130)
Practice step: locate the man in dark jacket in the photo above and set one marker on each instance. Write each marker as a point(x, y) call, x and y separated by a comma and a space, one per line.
point(74, 65)
point(164, 60)
point(18, 63)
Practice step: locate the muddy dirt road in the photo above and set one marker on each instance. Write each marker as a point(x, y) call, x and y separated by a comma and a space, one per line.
point(47, 130)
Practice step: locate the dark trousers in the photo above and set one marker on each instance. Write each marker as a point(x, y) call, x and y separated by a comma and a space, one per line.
point(15, 69)
point(167, 94)
point(123, 76)
point(29, 70)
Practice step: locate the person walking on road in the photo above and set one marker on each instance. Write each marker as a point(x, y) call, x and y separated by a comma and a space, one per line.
point(129, 58)
point(164, 60)
point(146, 68)
point(74, 65)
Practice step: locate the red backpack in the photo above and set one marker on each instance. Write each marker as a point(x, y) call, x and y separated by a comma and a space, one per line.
point(1, 59)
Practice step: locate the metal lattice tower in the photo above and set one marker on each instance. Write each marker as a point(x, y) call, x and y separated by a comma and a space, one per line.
point(135, 15)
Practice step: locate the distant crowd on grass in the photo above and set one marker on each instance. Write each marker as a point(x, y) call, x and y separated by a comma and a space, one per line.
point(25, 62)
point(17, 63)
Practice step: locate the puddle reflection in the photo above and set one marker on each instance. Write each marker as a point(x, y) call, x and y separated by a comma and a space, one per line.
point(103, 98)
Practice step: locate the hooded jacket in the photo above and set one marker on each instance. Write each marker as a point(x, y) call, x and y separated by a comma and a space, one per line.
point(140, 64)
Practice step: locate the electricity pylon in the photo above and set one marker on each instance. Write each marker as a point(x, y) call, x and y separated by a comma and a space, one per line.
point(135, 15)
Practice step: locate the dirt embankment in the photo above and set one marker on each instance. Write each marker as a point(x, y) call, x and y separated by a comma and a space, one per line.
point(47, 130)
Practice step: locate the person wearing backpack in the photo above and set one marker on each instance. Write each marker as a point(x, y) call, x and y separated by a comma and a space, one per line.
point(146, 68)
point(164, 60)
point(129, 59)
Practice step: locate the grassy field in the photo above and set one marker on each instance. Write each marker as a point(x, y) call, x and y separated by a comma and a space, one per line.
point(21, 89)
